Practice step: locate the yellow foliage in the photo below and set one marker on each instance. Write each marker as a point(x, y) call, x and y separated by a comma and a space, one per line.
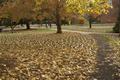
point(88, 6)
point(19, 9)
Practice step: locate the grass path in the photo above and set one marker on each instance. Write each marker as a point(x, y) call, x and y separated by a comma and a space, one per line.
point(106, 70)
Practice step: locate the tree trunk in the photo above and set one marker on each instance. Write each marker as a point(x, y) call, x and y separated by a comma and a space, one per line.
point(46, 25)
point(41, 24)
point(0, 29)
point(27, 25)
point(12, 28)
point(49, 23)
point(117, 25)
point(90, 22)
point(58, 21)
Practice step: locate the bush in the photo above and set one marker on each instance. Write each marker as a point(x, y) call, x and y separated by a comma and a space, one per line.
point(82, 21)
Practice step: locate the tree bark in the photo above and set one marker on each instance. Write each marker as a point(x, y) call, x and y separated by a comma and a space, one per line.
point(41, 23)
point(12, 28)
point(90, 22)
point(49, 23)
point(0, 29)
point(58, 21)
point(46, 25)
point(27, 25)
point(117, 25)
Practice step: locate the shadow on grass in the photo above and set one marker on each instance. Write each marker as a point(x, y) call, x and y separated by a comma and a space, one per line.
point(25, 30)
point(7, 63)
point(106, 70)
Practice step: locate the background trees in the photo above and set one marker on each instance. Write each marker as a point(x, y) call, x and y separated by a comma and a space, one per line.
point(89, 8)
point(26, 11)
point(55, 9)
point(22, 11)
point(60, 8)
point(18, 11)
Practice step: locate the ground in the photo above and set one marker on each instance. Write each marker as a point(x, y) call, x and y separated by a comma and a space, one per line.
point(74, 55)
point(101, 28)
point(107, 69)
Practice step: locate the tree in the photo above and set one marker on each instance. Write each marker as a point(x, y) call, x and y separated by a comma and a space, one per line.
point(1, 4)
point(6, 14)
point(26, 11)
point(19, 10)
point(53, 8)
point(117, 25)
point(89, 8)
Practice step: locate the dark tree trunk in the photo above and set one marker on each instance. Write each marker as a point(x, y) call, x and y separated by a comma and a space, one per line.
point(12, 28)
point(0, 29)
point(117, 25)
point(46, 25)
point(27, 25)
point(49, 23)
point(90, 22)
point(58, 21)
point(41, 23)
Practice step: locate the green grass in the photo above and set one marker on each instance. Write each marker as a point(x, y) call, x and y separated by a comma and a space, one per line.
point(85, 28)
point(20, 30)
point(45, 30)
point(101, 28)
point(114, 42)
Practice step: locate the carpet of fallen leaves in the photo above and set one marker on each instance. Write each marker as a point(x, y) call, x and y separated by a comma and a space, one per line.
point(114, 42)
point(47, 56)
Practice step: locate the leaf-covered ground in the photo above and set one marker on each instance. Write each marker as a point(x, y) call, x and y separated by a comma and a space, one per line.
point(114, 42)
point(47, 56)
point(108, 57)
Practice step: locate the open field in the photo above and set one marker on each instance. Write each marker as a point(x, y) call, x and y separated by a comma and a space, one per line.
point(46, 56)
point(41, 54)
point(101, 28)
point(59, 40)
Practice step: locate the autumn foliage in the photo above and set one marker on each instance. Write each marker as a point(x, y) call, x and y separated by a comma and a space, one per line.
point(54, 10)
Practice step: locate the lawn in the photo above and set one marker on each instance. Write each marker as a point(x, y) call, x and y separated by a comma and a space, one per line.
point(41, 54)
point(100, 28)
point(114, 42)
point(33, 55)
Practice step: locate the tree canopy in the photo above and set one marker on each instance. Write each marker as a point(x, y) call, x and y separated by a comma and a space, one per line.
point(55, 10)
point(61, 8)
